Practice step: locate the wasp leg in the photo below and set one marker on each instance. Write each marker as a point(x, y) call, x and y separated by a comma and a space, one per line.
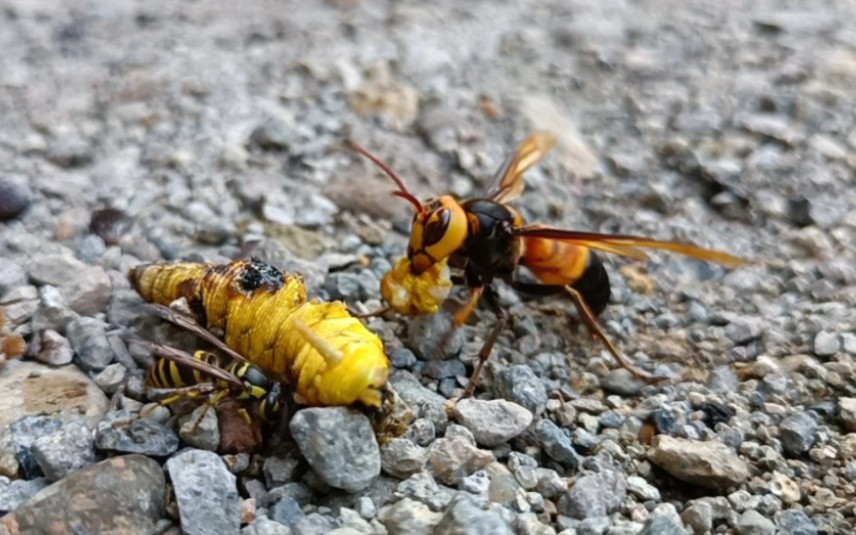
point(487, 348)
point(213, 401)
point(188, 393)
point(245, 415)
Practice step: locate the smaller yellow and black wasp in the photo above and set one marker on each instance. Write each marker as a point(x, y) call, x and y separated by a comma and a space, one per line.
point(207, 374)
point(486, 239)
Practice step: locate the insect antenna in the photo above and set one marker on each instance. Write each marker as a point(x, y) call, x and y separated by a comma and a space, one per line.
point(402, 189)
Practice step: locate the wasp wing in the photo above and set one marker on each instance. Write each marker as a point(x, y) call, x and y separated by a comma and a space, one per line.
point(507, 183)
point(186, 359)
point(190, 324)
point(627, 245)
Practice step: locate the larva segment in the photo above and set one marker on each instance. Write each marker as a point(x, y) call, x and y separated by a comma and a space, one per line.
point(329, 357)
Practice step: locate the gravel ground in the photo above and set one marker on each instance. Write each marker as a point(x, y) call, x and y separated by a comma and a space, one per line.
point(144, 131)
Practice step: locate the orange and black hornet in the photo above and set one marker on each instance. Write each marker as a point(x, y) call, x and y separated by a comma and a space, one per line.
point(487, 239)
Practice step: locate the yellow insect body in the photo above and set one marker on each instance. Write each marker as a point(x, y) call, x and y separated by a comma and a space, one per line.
point(327, 356)
point(415, 295)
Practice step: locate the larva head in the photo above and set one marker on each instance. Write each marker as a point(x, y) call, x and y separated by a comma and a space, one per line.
point(439, 230)
point(361, 377)
point(439, 225)
point(345, 360)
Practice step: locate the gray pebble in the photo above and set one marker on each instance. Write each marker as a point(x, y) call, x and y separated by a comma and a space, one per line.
point(421, 431)
point(111, 377)
point(339, 444)
point(642, 489)
point(288, 512)
point(593, 526)
point(550, 484)
point(54, 269)
point(23, 433)
point(520, 384)
point(456, 456)
point(794, 522)
point(365, 507)
point(847, 412)
point(826, 344)
point(709, 464)
point(754, 523)
point(12, 275)
point(52, 312)
point(593, 495)
point(91, 248)
point(295, 490)
point(205, 491)
point(280, 470)
point(848, 343)
point(88, 337)
point(262, 525)
point(426, 403)
point(14, 493)
point(70, 151)
point(426, 334)
point(344, 286)
point(445, 369)
point(19, 312)
point(409, 516)
point(525, 469)
point(664, 520)
point(557, 444)
point(423, 488)
point(798, 433)
point(66, 450)
point(698, 516)
point(465, 517)
point(87, 292)
point(200, 431)
point(141, 436)
point(743, 330)
point(52, 348)
point(275, 134)
point(401, 458)
point(314, 524)
point(492, 422)
point(402, 358)
point(476, 483)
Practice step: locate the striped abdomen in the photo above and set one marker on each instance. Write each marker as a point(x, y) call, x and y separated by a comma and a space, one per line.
point(169, 374)
point(561, 263)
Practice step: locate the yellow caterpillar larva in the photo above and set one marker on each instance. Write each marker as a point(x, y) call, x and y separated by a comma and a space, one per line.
point(326, 355)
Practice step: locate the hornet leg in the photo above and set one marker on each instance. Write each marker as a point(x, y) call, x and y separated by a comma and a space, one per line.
point(487, 348)
point(587, 315)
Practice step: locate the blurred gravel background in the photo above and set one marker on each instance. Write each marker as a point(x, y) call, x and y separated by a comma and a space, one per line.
point(143, 131)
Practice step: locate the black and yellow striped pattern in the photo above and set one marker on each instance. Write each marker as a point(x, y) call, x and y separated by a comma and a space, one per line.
point(169, 374)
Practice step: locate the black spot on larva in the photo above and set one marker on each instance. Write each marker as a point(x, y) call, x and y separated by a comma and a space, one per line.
point(258, 274)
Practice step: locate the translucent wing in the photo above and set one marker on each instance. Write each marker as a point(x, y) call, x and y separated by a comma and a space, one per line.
point(507, 183)
point(627, 245)
point(190, 324)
